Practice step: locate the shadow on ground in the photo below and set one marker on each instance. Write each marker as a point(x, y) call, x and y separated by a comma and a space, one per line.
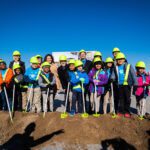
point(25, 141)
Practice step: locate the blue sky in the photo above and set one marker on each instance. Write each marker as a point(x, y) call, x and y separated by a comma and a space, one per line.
point(43, 26)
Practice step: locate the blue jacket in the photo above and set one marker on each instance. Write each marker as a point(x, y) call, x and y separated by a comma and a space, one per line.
point(31, 76)
point(75, 80)
point(132, 80)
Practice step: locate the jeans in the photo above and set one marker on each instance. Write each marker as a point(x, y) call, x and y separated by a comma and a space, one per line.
point(3, 100)
point(77, 98)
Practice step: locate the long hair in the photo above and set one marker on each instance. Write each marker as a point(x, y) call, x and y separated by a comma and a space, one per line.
point(50, 56)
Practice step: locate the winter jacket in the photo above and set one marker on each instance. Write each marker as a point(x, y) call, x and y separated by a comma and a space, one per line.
point(101, 76)
point(6, 77)
point(21, 63)
point(75, 80)
point(142, 87)
point(45, 79)
point(31, 76)
point(87, 65)
point(132, 80)
point(63, 76)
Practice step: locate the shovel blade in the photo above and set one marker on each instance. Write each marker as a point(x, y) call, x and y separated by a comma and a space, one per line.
point(96, 115)
point(64, 115)
point(141, 118)
point(85, 115)
point(114, 116)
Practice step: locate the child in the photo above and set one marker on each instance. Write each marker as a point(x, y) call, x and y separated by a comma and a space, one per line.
point(71, 70)
point(17, 80)
point(142, 88)
point(98, 79)
point(17, 60)
point(34, 91)
point(6, 75)
point(39, 57)
point(77, 78)
point(108, 93)
point(125, 77)
point(47, 82)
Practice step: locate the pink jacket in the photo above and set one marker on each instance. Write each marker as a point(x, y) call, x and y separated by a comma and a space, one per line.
point(142, 85)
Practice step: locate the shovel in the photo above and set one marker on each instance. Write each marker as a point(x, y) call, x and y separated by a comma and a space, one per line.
point(95, 101)
point(84, 115)
point(64, 114)
point(112, 95)
point(28, 98)
point(46, 103)
point(14, 88)
point(8, 105)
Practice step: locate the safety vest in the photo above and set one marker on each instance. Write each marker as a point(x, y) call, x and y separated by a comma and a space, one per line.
point(5, 74)
point(126, 75)
point(96, 74)
point(78, 86)
point(45, 78)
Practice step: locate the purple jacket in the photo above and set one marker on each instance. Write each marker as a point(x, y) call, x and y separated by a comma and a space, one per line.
point(103, 79)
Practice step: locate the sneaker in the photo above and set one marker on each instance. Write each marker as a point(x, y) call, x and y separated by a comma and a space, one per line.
point(127, 115)
point(72, 113)
point(120, 114)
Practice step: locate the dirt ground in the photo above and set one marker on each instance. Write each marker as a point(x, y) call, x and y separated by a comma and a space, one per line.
point(32, 131)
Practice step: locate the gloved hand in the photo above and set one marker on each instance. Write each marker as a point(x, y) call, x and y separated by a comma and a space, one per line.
point(48, 85)
point(96, 82)
point(82, 80)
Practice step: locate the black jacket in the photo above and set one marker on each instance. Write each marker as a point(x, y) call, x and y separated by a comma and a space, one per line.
point(88, 66)
point(63, 76)
point(21, 63)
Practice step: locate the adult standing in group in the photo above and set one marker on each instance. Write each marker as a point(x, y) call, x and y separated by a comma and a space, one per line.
point(115, 51)
point(50, 59)
point(87, 65)
point(17, 60)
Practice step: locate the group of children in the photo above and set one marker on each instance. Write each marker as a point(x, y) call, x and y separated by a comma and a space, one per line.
point(89, 84)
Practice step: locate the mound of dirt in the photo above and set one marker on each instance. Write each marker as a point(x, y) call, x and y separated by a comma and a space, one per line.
point(32, 131)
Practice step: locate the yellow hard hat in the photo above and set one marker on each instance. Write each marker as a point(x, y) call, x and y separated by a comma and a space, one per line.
point(62, 57)
point(120, 56)
point(45, 64)
point(97, 54)
point(16, 66)
point(140, 64)
point(71, 61)
point(116, 49)
point(78, 63)
point(1, 60)
point(34, 60)
point(97, 60)
point(38, 56)
point(16, 53)
point(109, 60)
point(82, 50)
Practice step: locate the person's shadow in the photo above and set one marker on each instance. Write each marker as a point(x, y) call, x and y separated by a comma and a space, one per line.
point(25, 141)
point(116, 144)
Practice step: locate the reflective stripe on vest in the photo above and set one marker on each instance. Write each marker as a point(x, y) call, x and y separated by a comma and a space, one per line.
point(126, 75)
point(16, 80)
point(5, 74)
point(96, 74)
point(38, 74)
point(24, 86)
point(45, 78)
point(78, 86)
